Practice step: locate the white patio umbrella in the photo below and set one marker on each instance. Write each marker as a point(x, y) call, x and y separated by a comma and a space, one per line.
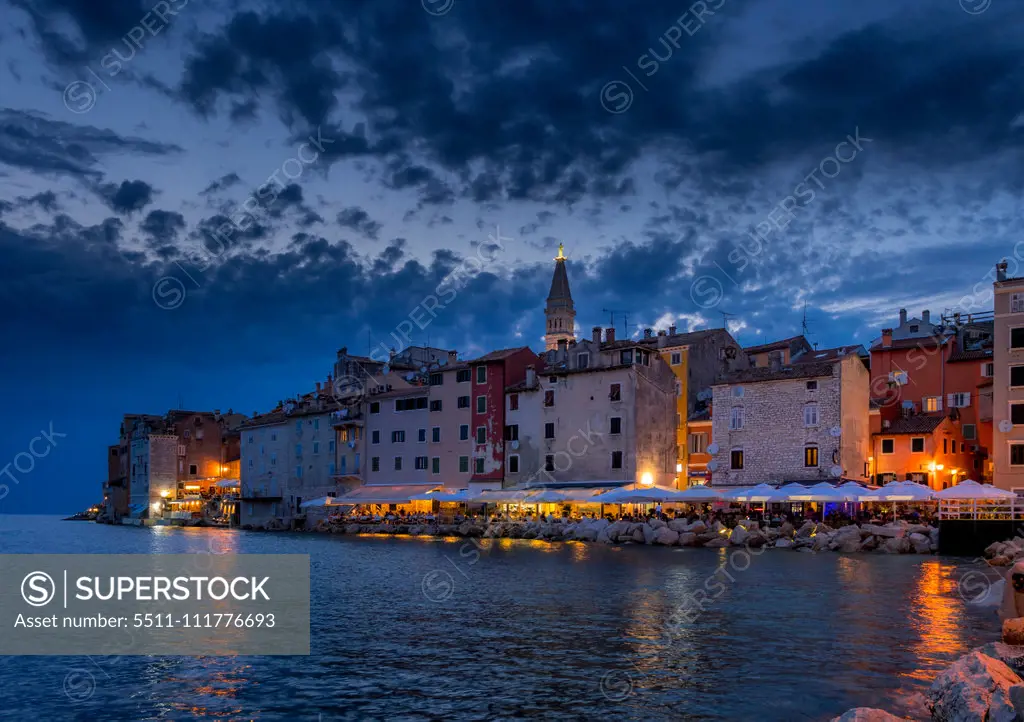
point(460, 496)
point(699, 493)
point(501, 496)
point(762, 493)
point(547, 496)
point(641, 495)
point(819, 492)
point(900, 491)
point(969, 489)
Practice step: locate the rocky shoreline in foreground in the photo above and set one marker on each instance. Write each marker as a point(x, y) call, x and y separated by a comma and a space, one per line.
point(896, 538)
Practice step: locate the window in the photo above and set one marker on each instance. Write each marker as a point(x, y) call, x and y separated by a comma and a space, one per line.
point(478, 463)
point(583, 360)
point(737, 392)
point(970, 432)
point(513, 402)
point(187, 434)
point(481, 404)
point(398, 463)
point(917, 445)
point(698, 443)
point(316, 447)
point(1016, 454)
point(810, 456)
point(549, 462)
point(435, 435)
point(250, 463)
point(330, 447)
point(615, 392)
point(1016, 376)
point(812, 385)
point(915, 328)
point(988, 369)
point(810, 415)
point(616, 459)
point(330, 469)
point(1017, 303)
point(463, 402)
point(736, 459)
point(549, 398)
point(888, 446)
point(435, 465)
point(421, 402)
point(375, 463)
point(549, 430)
point(736, 418)
point(397, 437)
point(298, 472)
point(463, 432)
point(273, 436)
point(436, 379)
point(1017, 413)
point(316, 424)
point(626, 357)
point(481, 374)
point(273, 459)
point(643, 358)
point(193, 469)
point(375, 407)
point(411, 404)
point(931, 403)
point(513, 464)
point(945, 446)
point(615, 425)
point(481, 434)
point(464, 460)
point(462, 376)
point(512, 432)
point(375, 436)
point(676, 358)
point(298, 449)
point(113, 452)
point(420, 463)
point(959, 400)
point(900, 377)
point(435, 405)
point(421, 436)
point(552, 379)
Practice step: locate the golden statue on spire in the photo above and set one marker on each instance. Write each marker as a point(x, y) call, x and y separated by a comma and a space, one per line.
point(561, 253)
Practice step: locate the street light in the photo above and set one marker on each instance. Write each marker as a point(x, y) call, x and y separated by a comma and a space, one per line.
point(646, 479)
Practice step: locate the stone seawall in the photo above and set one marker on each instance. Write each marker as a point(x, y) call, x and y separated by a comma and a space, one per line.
point(899, 538)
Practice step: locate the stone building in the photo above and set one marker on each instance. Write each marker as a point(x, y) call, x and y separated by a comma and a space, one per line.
point(780, 352)
point(802, 422)
point(153, 470)
point(1008, 382)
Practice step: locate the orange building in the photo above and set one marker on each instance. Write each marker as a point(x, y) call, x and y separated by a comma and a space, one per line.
point(698, 440)
point(943, 370)
point(927, 449)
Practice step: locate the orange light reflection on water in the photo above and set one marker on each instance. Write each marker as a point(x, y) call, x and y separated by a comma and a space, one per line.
point(935, 618)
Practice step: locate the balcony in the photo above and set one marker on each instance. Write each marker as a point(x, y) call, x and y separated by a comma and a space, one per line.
point(261, 493)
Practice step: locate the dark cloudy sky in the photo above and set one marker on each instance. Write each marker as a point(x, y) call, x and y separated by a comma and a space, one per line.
point(649, 140)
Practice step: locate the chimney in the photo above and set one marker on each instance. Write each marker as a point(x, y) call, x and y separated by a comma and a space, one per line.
point(531, 377)
point(662, 339)
point(1001, 270)
point(609, 334)
point(317, 388)
point(595, 335)
point(774, 361)
point(886, 337)
point(903, 317)
point(648, 332)
point(672, 330)
point(926, 316)
point(453, 355)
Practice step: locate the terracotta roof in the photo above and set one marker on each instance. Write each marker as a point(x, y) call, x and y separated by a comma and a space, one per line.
point(683, 339)
point(914, 425)
point(766, 373)
point(522, 387)
point(975, 355)
point(984, 384)
point(827, 354)
point(773, 346)
point(902, 343)
point(702, 415)
point(499, 355)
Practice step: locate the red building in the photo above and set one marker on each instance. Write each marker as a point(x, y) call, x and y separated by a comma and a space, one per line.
point(940, 370)
point(491, 374)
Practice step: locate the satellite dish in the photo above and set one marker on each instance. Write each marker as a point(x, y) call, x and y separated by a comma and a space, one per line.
point(836, 431)
point(343, 413)
point(1006, 426)
point(712, 448)
point(515, 443)
point(410, 376)
point(837, 471)
point(705, 395)
point(712, 465)
point(423, 369)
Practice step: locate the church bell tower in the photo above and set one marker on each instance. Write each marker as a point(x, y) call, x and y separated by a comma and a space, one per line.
point(559, 311)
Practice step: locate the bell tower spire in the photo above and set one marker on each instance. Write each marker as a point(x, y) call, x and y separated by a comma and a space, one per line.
point(560, 311)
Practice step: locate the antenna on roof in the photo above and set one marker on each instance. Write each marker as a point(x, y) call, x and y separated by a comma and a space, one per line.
point(725, 319)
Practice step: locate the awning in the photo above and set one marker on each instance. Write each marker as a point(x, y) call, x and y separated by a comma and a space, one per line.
point(970, 489)
point(385, 494)
point(228, 483)
point(322, 501)
point(137, 509)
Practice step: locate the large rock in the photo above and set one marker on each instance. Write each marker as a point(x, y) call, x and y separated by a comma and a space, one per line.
point(784, 543)
point(638, 536)
point(706, 536)
point(869, 544)
point(786, 530)
point(739, 536)
point(666, 536)
point(1013, 631)
point(889, 532)
point(917, 529)
point(867, 714)
point(900, 545)
point(1011, 656)
point(698, 527)
point(921, 543)
point(687, 539)
point(717, 526)
point(848, 544)
point(656, 524)
point(975, 687)
point(719, 541)
point(756, 540)
point(679, 525)
point(995, 549)
point(352, 529)
point(821, 542)
point(806, 530)
point(649, 532)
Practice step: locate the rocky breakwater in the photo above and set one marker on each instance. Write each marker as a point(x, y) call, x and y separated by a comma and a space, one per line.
point(1005, 553)
point(899, 538)
point(985, 684)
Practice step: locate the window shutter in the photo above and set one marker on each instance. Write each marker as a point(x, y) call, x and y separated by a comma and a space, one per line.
point(938, 403)
point(967, 399)
point(951, 400)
